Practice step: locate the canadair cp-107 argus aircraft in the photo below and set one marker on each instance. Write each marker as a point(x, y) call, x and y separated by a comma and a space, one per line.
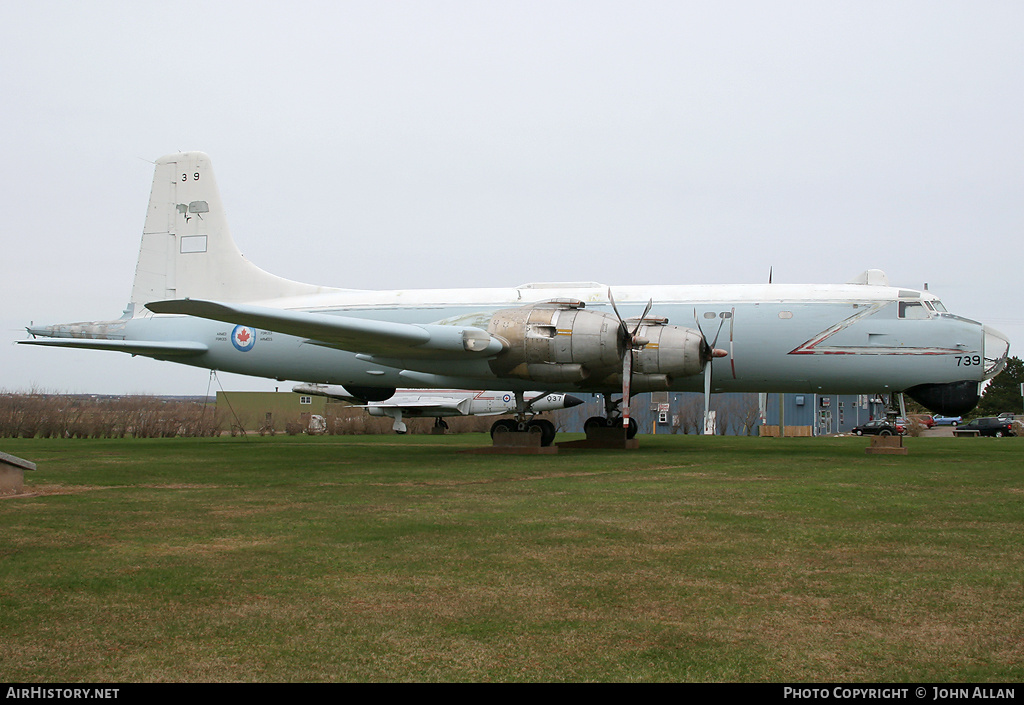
point(197, 301)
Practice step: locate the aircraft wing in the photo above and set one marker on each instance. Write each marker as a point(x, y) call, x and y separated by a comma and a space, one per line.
point(360, 335)
point(183, 348)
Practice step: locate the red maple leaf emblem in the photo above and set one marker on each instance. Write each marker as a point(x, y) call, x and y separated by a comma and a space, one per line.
point(243, 336)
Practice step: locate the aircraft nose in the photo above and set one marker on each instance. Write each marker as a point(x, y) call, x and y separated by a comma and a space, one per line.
point(45, 331)
point(997, 348)
point(569, 401)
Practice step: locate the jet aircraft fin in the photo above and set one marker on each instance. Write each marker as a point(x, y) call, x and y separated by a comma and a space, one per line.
point(187, 249)
point(361, 335)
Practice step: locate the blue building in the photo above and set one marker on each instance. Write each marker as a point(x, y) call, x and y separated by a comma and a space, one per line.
point(735, 414)
point(672, 412)
point(823, 413)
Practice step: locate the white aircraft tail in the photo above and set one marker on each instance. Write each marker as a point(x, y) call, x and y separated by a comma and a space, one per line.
point(187, 250)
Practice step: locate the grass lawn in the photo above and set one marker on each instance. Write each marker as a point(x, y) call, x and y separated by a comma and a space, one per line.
point(386, 558)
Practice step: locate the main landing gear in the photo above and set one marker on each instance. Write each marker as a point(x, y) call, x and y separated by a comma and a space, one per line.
point(524, 424)
point(545, 428)
point(594, 426)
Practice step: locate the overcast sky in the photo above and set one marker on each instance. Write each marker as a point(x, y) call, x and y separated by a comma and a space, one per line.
point(442, 144)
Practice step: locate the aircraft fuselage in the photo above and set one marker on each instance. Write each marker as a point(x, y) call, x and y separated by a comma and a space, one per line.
point(780, 338)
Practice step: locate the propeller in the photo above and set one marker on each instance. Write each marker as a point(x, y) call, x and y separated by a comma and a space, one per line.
point(630, 342)
point(708, 353)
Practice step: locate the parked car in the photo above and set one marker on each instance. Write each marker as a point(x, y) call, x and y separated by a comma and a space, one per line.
point(1016, 419)
point(878, 427)
point(947, 420)
point(924, 419)
point(988, 426)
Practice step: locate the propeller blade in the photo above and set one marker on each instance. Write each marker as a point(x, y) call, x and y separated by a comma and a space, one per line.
point(696, 322)
point(707, 394)
point(721, 322)
point(622, 323)
point(650, 302)
point(627, 379)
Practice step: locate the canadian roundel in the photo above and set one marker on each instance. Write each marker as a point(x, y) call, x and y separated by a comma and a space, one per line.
point(243, 338)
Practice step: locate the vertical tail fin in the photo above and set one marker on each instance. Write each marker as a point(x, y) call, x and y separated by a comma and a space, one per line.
point(187, 250)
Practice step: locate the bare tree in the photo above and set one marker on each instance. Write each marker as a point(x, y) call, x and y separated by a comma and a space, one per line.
point(748, 412)
point(691, 415)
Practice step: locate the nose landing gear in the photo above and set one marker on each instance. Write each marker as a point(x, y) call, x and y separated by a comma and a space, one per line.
point(611, 419)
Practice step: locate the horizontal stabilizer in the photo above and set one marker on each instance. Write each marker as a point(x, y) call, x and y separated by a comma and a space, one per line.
point(344, 332)
point(184, 348)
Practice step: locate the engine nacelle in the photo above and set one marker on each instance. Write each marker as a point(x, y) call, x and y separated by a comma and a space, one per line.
point(671, 351)
point(559, 342)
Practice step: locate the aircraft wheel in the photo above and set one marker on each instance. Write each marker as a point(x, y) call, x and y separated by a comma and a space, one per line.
point(503, 424)
point(547, 430)
point(595, 422)
point(440, 423)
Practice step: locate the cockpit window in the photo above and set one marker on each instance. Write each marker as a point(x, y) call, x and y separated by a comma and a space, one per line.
point(938, 306)
point(912, 310)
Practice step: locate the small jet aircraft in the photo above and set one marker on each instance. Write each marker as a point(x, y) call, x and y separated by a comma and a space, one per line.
point(438, 403)
point(197, 301)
